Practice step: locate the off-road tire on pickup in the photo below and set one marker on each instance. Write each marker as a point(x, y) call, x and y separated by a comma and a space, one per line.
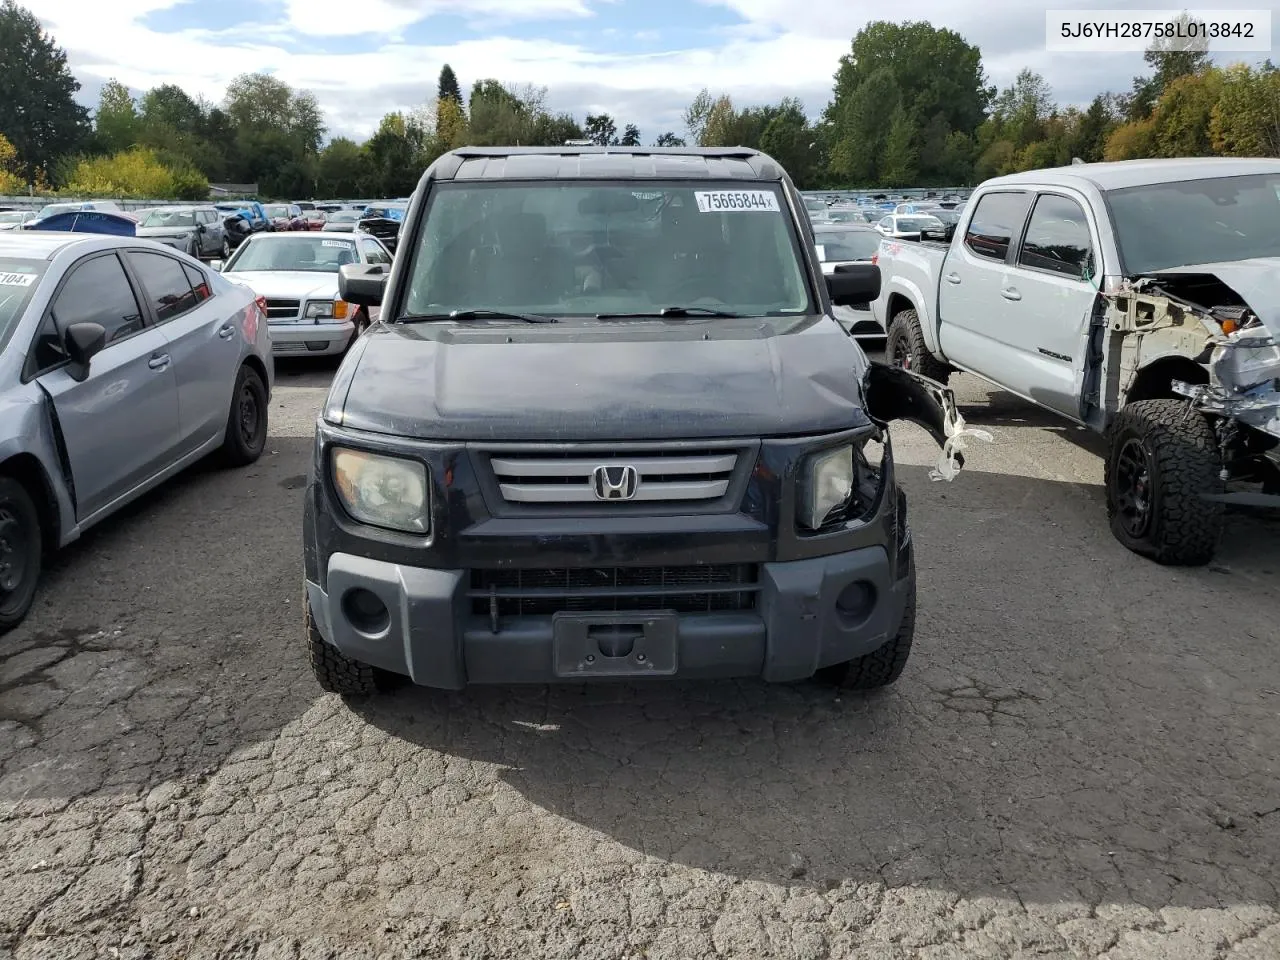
point(21, 546)
point(905, 346)
point(1174, 447)
point(246, 434)
point(884, 665)
point(338, 673)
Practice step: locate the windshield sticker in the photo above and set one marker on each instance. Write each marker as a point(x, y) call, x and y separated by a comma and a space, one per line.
point(16, 279)
point(728, 201)
point(340, 244)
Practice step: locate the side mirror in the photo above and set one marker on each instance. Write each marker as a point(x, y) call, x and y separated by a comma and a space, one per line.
point(82, 342)
point(362, 283)
point(854, 283)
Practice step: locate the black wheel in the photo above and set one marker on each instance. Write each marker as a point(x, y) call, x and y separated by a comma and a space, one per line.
point(226, 249)
point(884, 665)
point(905, 347)
point(361, 323)
point(20, 552)
point(1162, 457)
point(338, 673)
point(246, 435)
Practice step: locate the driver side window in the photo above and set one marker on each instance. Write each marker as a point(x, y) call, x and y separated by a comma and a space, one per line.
point(96, 291)
point(1058, 239)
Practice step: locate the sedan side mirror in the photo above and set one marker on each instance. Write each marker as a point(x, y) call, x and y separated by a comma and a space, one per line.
point(83, 341)
point(362, 283)
point(854, 283)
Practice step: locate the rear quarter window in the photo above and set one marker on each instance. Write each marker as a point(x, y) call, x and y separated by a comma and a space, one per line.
point(997, 219)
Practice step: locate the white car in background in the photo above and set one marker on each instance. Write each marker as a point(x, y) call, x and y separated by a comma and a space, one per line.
point(295, 274)
point(901, 226)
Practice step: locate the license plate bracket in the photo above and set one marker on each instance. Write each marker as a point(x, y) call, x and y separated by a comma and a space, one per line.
point(640, 643)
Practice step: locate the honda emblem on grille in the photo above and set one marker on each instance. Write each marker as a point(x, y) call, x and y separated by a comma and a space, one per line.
point(615, 483)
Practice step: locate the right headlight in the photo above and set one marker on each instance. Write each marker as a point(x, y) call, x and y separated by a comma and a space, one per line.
point(382, 491)
point(826, 486)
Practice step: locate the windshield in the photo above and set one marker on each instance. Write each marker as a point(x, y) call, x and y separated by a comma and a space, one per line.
point(18, 281)
point(311, 254)
point(1198, 221)
point(53, 208)
point(277, 211)
point(343, 217)
point(916, 224)
point(579, 250)
point(169, 218)
point(841, 245)
point(13, 216)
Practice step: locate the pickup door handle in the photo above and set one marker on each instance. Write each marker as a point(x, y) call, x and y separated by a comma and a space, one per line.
point(1010, 294)
point(158, 361)
point(952, 278)
point(227, 331)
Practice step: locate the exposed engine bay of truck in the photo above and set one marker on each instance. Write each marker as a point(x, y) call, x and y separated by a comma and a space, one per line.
point(1225, 317)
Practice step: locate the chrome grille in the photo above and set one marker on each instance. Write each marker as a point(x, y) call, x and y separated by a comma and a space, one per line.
point(282, 309)
point(663, 476)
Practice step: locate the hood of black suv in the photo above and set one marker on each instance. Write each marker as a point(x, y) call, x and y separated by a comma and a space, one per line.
point(605, 380)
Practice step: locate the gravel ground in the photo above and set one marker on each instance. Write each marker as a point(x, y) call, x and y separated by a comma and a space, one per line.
point(1080, 761)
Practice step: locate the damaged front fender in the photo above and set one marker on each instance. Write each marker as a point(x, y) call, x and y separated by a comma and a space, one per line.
point(892, 393)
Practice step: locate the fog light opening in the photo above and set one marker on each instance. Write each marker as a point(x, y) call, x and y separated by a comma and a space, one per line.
point(855, 602)
point(366, 612)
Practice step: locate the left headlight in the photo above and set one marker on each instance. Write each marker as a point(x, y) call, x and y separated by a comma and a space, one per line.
point(826, 486)
point(327, 310)
point(382, 491)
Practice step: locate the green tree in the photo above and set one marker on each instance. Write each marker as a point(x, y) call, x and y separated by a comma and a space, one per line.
point(1131, 141)
point(170, 106)
point(900, 156)
point(1171, 58)
point(790, 140)
point(260, 101)
point(394, 155)
point(447, 88)
point(859, 126)
point(720, 127)
point(669, 139)
point(38, 112)
point(630, 136)
point(600, 129)
point(1090, 140)
point(136, 173)
point(1183, 115)
point(1022, 109)
point(697, 114)
point(499, 115)
point(341, 169)
point(1245, 122)
point(116, 119)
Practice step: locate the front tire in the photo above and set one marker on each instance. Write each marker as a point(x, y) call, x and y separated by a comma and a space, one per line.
point(884, 665)
point(905, 347)
point(1163, 455)
point(338, 673)
point(246, 435)
point(21, 552)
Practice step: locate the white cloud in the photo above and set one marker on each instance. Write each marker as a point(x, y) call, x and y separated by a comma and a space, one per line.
point(774, 53)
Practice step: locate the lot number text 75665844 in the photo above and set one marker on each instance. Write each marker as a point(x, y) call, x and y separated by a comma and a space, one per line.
point(728, 201)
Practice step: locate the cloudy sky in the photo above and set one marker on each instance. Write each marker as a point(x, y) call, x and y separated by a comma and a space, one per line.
point(640, 60)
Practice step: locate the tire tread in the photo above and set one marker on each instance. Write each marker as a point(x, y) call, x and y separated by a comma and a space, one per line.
point(906, 323)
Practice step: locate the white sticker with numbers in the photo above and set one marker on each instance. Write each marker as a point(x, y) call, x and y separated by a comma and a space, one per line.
point(340, 244)
point(733, 201)
point(16, 279)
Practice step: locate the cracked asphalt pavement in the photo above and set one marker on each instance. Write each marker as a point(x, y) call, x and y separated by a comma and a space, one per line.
point(1081, 759)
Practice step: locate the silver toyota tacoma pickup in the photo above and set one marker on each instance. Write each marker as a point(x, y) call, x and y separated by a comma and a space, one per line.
point(1141, 299)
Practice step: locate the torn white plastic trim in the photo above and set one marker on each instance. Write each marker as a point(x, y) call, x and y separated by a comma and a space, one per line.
point(947, 467)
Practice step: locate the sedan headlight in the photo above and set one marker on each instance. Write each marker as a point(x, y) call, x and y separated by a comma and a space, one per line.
point(327, 310)
point(826, 485)
point(382, 491)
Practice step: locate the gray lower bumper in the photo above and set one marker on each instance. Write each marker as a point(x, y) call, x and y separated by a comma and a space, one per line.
point(433, 636)
point(309, 338)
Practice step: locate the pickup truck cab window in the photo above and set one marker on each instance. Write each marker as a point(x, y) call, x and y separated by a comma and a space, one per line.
point(548, 248)
point(1057, 239)
point(997, 219)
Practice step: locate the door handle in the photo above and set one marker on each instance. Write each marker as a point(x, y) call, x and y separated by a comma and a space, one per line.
point(227, 331)
point(158, 361)
point(952, 278)
point(1010, 294)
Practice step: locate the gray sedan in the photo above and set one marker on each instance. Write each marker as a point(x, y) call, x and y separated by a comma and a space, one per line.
point(121, 363)
point(196, 230)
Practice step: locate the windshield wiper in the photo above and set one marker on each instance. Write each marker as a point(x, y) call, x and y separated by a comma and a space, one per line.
point(670, 312)
point(479, 314)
